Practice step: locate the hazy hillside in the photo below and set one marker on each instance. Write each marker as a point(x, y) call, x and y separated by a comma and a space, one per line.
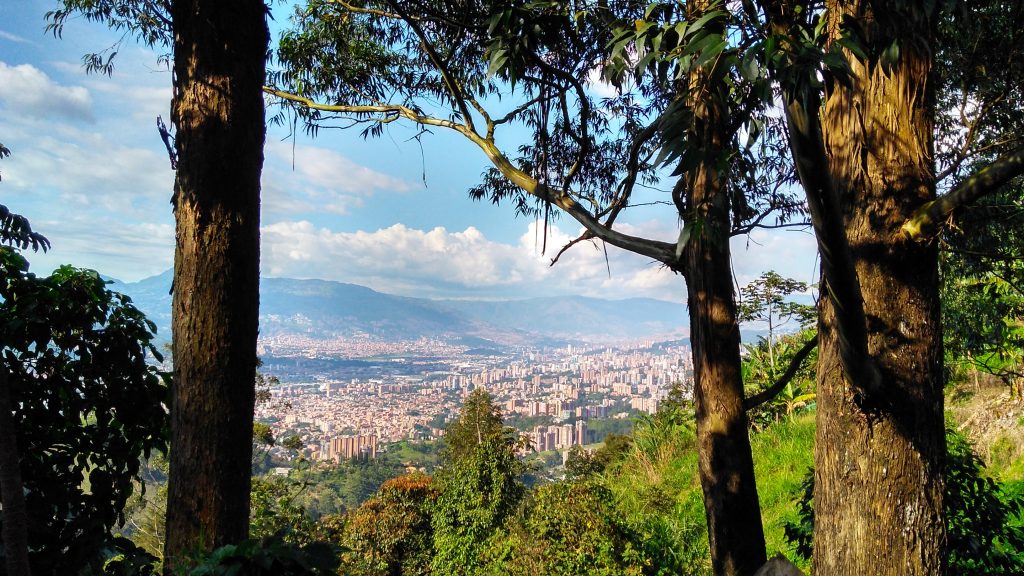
point(323, 309)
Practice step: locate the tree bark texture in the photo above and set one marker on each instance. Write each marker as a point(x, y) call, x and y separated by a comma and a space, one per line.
point(725, 462)
point(220, 48)
point(12, 490)
point(879, 454)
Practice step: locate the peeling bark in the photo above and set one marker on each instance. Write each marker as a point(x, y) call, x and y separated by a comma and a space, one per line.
point(879, 458)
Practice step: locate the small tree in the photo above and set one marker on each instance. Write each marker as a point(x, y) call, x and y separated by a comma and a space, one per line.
point(765, 300)
point(84, 404)
point(479, 486)
point(391, 533)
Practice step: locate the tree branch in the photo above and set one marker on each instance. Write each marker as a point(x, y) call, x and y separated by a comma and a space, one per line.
point(802, 106)
point(454, 87)
point(794, 365)
point(926, 220)
point(582, 237)
point(661, 251)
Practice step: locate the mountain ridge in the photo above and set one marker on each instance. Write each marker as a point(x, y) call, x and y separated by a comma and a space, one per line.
point(325, 309)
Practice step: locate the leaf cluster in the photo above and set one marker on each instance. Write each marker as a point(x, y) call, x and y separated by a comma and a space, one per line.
point(567, 528)
point(148, 21)
point(15, 229)
point(391, 533)
point(272, 556)
point(88, 404)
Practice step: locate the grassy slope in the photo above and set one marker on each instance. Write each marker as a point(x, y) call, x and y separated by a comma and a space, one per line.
point(648, 485)
point(784, 452)
point(782, 455)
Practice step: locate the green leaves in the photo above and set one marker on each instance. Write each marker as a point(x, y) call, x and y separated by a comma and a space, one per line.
point(659, 39)
point(479, 486)
point(89, 405)
point(982, 517)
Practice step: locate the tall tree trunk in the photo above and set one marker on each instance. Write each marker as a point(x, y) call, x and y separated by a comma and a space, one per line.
point(12, 490)
point(879, 454)
point(220, 48)
point(725, 462)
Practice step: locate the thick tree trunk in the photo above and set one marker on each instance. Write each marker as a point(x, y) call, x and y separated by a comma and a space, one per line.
point(725, 462)
point(15, 518)
point(879, 454)
point(219, 64)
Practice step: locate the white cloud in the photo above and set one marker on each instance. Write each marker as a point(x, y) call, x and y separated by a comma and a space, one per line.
point(25, 89)
point(140, 103)
point(13, 37)
point(323, 168)
point(124, 250)
point(322, 180)
point(442, 263)
point(84, 171)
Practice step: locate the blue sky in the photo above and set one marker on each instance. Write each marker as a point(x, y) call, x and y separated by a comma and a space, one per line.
point(90, 171)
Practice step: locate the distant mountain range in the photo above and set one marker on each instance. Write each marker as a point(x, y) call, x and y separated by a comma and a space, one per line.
point(324, 310)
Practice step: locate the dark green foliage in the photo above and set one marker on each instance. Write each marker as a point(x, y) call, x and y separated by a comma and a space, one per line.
point(275, 509)
point(605, 426)
point(800, 534)
point(580, 464)
point(128, 559)
point(477, 493)
point(568, 529)
point(15, 230)
point(273, 556)
point(391, 534)
point(981, 262)
point(984, 520)
point(88, 405)
point(479, 484)
point(528, 423)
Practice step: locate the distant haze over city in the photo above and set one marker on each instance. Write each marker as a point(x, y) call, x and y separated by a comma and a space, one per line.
point(325, 310)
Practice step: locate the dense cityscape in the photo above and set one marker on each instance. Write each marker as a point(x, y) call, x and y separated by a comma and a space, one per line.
point(349, 397)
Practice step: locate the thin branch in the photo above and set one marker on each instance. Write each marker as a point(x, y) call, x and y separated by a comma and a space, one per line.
point(972, 128)
point(661, 251)
point(756, 222)
point(372, 11)
point(787, 376)
point(625, 188)
point(454, 88)
point(582, 237)
point(927, 219)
